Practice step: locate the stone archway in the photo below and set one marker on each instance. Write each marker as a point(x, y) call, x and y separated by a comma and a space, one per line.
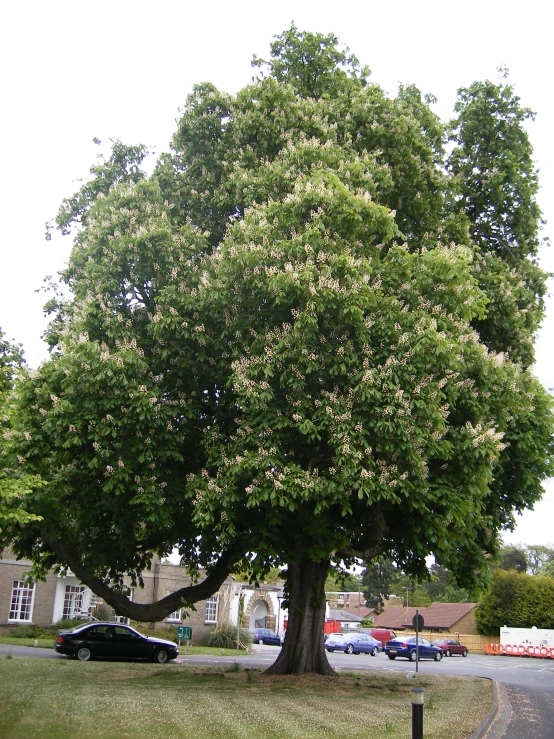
point(259, 609)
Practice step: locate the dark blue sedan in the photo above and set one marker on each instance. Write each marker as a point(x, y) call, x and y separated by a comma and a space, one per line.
point(112, 641)
point(354, 643)
point(265, 636)
point(406, 647)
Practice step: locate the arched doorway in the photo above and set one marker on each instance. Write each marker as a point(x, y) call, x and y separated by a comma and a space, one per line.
point(258, 615)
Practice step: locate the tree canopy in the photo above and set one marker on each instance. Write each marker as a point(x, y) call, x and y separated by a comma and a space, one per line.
point(382, 578)
point(13, 488)
point(293, 344)
point(513, 558)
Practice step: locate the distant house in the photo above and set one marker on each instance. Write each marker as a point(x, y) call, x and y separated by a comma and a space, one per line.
point(438, 617)
point(43, 603)
point(347, 619)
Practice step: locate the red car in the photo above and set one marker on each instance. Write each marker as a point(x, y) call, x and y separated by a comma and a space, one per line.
point(450, 647)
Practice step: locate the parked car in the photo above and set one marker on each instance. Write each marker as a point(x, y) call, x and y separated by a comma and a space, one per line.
point(332, 635)
point(115, 640)
point(383, 635)
point(450, 647)
point(406, 647)
point(353, 643)
point(265, 636)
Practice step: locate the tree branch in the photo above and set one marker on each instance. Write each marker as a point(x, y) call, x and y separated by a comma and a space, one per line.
point(368, 544)
point(160, 609)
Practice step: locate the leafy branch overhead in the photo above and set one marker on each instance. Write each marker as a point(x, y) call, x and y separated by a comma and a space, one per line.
point(305, 338)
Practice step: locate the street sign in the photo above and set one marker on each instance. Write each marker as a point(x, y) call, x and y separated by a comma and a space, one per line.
point(184, 632)
point(417, 622)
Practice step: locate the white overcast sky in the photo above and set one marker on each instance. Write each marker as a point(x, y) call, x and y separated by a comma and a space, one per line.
point(73, 70)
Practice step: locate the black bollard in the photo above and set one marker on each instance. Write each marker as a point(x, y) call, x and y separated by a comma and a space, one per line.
point(417, 713)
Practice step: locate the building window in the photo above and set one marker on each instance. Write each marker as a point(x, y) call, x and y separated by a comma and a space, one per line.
point(21, 606)
point(340, 599)
point(175, 616)
point(211, 610)
point(73, 601)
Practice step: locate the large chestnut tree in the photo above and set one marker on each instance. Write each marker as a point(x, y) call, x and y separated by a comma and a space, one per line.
point(305, 338)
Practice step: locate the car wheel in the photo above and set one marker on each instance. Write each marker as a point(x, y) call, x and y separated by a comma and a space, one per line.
point(260, 641)
point(162, 656)
point(392, 656)
point(464, 653)
point(330, 650)
point(438, 656)
point(374, 652)
point(413, 656)
point(448, 653)
point(349, 649)
point(84, 654)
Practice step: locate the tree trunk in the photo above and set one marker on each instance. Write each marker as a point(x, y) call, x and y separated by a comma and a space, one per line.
point(304, 650)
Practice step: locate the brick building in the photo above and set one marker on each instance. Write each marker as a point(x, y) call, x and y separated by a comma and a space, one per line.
point(43, 603)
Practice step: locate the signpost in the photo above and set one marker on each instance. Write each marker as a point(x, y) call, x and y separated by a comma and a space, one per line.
point(417, 623)
point(184, 632)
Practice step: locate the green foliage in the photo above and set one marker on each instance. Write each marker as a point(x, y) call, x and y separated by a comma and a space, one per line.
point(123, 165)
point(382, 577)
point(224, 636)
point(516, 600)
point(495, 174)
point(312, 64)
point(273, 576)
point(379, 580)
point(442, 588)
point(12, 489)
point(29, 631)
point(270, 355)
point(103, 612)
point(538, 557)
point(495, 183)
point(339, 581)
point(69, 623)
point(512, 558)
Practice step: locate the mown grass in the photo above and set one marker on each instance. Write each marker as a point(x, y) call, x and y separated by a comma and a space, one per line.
point(54, 699)
point(42, 642)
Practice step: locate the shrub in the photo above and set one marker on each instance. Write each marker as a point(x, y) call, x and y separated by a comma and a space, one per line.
point(28, 631)
point(104, 612)
point(224, 636)
point(143, 627)
point(517, 600)
point(69, 623)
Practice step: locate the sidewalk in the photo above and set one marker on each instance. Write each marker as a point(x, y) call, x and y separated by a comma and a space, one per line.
point(518, 713)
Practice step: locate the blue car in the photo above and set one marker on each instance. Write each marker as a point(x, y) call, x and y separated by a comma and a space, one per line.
point(406, 647)
point(265, 636)
point(353, 643)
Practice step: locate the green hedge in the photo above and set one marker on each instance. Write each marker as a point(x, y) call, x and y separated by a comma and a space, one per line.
point(516, 600)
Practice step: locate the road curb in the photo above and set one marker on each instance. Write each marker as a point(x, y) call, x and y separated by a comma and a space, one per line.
point(485, 724)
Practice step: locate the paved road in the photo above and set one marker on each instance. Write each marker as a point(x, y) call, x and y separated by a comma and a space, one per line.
point(28, 651)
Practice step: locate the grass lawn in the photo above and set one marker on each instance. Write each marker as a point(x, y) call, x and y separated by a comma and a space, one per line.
point(42, 642)
point(108, 700)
